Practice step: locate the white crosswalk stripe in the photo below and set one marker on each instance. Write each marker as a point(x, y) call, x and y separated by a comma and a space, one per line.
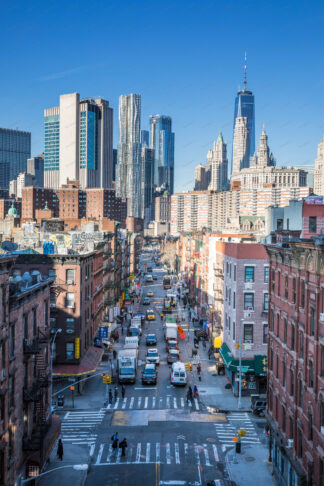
point(79, 427)
point(153, 402)
point(205, 455)
point(238, 420)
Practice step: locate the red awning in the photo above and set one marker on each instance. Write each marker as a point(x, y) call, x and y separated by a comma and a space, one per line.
point(88, 364)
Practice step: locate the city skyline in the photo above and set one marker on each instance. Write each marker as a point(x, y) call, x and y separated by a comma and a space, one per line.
point(198, 95)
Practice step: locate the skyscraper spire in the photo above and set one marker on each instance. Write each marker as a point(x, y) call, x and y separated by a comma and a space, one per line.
point(245, 82)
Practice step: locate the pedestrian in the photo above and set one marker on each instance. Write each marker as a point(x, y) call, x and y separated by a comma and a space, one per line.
point(123, 445)
point(122, 330)
point(110, 396)
point(60, 450)
point(195, 391)
point(114, 439)
point(114, 354)
point(189, 394)
point(116, 393)
point(210, 353)
point(198, 368)
point(123, 391)
point(117, 336)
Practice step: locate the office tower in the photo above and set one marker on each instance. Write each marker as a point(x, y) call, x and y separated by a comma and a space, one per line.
point(78, 142)
point(319, 170)
point(114, 164)
point(217, 160)
point(14, 152)
point(200, 178)
point(147, 183)
point(129, 163)
point(145, 138)
point(162, 141)
point(263, 158)
point(241, 144)
point(244, 107)
point(35, 167)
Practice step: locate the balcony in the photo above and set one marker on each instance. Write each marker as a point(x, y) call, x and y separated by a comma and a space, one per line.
point(31, 347)
point(31, 394)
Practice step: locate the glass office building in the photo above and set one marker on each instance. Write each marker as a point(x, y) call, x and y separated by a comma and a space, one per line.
point(15, 147)
point(162, 141)
point(246, 99)
point(52, 142)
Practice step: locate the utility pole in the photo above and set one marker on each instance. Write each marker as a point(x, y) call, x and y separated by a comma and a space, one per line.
point(239, 405)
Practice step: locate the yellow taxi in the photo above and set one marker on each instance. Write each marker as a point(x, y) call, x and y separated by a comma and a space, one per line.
point(150, 315)
point(150, 293)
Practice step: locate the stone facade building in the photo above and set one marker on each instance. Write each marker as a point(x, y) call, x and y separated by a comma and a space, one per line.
point(218, 163)
point(319, 170)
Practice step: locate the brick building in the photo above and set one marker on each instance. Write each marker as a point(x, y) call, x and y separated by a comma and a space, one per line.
point(34, 198)
point(103, 203)
point(295, 409)
point(27, 429)
point(72, 201)
point(75, 304)
point(6, 204)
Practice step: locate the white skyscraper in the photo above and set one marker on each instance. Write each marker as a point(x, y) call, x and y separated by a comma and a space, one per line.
point(79, 142)
point(241, 149)
point(263, 157)
point(129, 163)
point(319, 170)
point(218, 163)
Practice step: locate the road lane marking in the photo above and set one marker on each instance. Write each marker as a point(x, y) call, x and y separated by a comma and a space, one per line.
point(148, 452)
point(92, 448)
point(146, 402)
point(215, 453)
point(168, 402)
point(138, 453)
point(157, 452)
point(182, 402)
point(139, 401)
point(66, 415)
point(198, 462)
point(131, 405)
point(168, 453)
point(206, 455)
point(196, 404)
point(175, 402)
point(118, 456)
point(185, 448)
point(124, 403)
point(100, 453)
point(176, 451)
point(116, 404)
point(153, 402)
point(109, 453)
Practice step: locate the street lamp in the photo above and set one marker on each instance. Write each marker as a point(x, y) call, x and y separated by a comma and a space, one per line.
point(76, 467)
point(51, 371)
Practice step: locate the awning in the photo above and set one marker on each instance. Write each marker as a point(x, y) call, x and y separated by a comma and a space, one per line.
point(88, 364)
point(257, 366)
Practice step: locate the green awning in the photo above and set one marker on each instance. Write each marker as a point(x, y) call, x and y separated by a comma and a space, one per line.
point(258, 365)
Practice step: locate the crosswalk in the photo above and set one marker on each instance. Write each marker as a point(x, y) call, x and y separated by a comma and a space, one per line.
point(239, 420)
point(179, 452)
point(79, 427)
point(163, 403)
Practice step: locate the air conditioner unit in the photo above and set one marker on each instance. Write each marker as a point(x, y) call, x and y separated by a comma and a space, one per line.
point(247, 314)
point(70, 282)
point(2, 375)
point(53, 305)
point(247, 346)
point(69, 331)
point(322, 316)
point(248, 286)
point(86, 277)
point(290, 443)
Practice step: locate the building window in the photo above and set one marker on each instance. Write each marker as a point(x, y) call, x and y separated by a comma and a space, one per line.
point(69, 325)
point(312, 224)
point(265, 302)
point(34, 322)
point(265, 333)
point(310, 424)
point(283, 419)
point(69, 350)
point(26, 326)
point(302, 294)
point(292, 382)
point(312, 321)
point(11, 391)
point(248, 333)
point(249, 274)
point(311, 374)
point(322, 412)
point(12, 341)
point(322, 297)
point(234, 273)
point(70, 276)
point(233, 330)
point(286, 286)
point(248, 301)
point(271, 359)
point(234, 295)
point(273, 280)
point(301, 344)
point(292, 336)
point(322, 360)
point(46, 313)
point(300, 443)
point(69, 300)
point(300, 392)
point(266, 274)
point(285, 330)
point(272, 321)
point(284, 375)
point(294, 290)
point(291, 428)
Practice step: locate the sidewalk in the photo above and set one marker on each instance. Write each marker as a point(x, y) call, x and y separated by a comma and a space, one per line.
point(73, 454)
point(250, 466)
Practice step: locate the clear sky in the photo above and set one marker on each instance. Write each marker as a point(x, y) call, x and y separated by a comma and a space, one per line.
point(184, 57)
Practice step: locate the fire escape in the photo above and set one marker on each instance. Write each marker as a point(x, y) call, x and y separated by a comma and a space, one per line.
point(37, 392)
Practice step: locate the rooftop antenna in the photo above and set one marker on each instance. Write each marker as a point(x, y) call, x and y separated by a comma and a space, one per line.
point(245, 73)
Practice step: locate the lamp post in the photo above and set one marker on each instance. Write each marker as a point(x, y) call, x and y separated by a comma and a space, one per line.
point(76, 467)
point(51, 371)
point(239, 404)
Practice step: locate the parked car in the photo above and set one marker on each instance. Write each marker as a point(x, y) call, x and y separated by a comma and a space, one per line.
point(150, 315)
point(149, 375)
point(150, 293)
point(171, 344)
point(146, 301)
point(258, 405)
point(152, 356)
point(155, 277)
point(173, 356)
point(150, 339)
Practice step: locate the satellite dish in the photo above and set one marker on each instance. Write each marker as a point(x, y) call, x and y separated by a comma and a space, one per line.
point(9, 246)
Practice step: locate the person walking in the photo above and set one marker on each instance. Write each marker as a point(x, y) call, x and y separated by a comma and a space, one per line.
point(114, 353)
point(199, 371)
point(110, 396)
point(189, 394)
point(195, 391)
point(123, 391)
point(123, 445)
point(60, 450)
point(115, 441)
point(116, 393)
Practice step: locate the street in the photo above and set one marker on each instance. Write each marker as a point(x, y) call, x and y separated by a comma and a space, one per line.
point(170, 440)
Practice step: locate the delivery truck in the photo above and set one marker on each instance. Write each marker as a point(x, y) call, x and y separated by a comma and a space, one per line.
point(127, 365)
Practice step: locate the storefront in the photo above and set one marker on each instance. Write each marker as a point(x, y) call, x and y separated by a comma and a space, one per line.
point(253, 372)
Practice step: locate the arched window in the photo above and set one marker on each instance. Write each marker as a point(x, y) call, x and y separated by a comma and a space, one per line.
point(292, 382)
point(311, 374)
point(310, 424)
point(300, 391)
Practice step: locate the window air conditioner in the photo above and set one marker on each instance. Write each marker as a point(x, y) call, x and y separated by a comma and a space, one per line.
point(322, 316)
point(290, 443)
point(2, 375)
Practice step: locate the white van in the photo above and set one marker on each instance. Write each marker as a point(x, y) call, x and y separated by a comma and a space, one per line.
point(178, 374)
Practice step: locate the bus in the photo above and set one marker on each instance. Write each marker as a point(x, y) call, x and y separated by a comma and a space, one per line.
point(167, 282)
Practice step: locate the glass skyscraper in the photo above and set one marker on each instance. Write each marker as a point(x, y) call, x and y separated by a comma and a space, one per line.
point(162, 141)
point(15, 146)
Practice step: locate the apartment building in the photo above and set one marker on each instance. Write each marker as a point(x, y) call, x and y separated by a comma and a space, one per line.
point(190, 211)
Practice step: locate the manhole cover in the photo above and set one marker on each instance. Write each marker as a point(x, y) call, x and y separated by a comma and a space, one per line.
point(210, 439)
point(250, 459)
point(202, 391)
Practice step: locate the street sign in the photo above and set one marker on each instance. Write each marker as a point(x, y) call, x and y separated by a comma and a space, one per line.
point(103, 332)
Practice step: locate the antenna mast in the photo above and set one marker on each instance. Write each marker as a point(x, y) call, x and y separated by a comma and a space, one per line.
point(245, 73)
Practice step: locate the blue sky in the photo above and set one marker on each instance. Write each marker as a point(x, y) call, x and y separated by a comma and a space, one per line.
point(184, 58)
